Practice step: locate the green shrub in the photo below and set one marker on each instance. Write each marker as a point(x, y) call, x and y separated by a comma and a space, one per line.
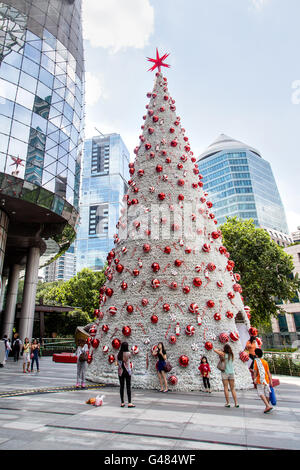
point(282, 365)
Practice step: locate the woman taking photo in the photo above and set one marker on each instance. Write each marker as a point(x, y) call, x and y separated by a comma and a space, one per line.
point(161, 354)
point(26, 355)
point(124, 371)
point(226, 356)
point(35, 347)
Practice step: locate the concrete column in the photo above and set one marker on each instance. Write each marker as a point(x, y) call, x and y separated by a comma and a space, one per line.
point(3, 237)
point(11, 300)
point(29, 293)
point(3, 288)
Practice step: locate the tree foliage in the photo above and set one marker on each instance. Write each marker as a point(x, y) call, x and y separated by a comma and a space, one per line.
point(265, 268)
point(82, 291)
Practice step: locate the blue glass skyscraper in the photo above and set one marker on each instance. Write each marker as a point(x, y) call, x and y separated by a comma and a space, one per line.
point(241, 183)
point(105, 174)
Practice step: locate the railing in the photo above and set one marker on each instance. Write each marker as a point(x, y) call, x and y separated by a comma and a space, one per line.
point(57, 345)
point(284, 363)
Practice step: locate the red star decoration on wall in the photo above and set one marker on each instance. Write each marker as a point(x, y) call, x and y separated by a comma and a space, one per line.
point(17, 161)
point(158, 62)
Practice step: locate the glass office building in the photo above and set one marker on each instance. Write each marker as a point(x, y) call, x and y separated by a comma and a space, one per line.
point(41, 110)
point(105, 174)
point(241, 183)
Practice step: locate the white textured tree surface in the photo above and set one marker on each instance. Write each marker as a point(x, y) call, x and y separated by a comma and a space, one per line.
point(169, 254)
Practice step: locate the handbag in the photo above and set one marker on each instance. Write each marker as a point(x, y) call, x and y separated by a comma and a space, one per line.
point(221, 365)
point(168, 367)
point(31, 356)
point(83, 357)
point(272, 396)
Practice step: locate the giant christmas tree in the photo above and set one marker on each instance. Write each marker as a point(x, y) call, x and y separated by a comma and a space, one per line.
point(169, 278)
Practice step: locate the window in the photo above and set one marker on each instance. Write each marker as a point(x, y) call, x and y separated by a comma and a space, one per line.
point(100, 157)
point(282, 323)
point(98, 219)
point(297, 321)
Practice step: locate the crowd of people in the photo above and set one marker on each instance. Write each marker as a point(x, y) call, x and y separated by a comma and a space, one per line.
point(28, 351)
point(259, 369)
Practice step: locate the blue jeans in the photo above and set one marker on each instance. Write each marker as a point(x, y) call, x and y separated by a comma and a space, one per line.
point(35, 358)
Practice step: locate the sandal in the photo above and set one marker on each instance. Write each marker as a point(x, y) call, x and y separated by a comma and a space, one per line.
point(122, 405)
point(131, 406)
point(237, 406)
point(227, 405)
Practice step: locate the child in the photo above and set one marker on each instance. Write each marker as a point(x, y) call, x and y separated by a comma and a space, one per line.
point(81, 353)
point(263, 379)
point(205, 370)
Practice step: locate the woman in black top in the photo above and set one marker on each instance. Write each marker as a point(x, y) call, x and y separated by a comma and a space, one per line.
point(161, 354)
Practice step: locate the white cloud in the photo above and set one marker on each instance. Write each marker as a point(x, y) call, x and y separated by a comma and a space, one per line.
point(118, 24)
point(259, 4)
point(293, 220)
point(93, 89)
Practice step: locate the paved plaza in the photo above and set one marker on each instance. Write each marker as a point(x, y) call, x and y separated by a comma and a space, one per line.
point(44, 411)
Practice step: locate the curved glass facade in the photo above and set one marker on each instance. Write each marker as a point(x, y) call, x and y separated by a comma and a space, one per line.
point(41, 94)
point(240, 183)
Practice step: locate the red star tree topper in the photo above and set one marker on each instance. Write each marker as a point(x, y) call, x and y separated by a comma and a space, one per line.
point(169, 278)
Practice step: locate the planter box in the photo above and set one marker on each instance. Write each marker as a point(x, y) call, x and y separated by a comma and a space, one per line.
point(69, 358)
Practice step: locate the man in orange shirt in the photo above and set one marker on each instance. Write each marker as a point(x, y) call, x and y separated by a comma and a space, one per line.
point(263, 379)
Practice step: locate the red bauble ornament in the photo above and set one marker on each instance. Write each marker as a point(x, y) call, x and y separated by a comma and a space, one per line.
point(112, 310)
point(234, 336)
point(215, 235)
point(173, 380)
point(237, 288)
point(154, 319)
point(210, 303)
point(244, 357)
point(220, 284)
point(229, 314)
point(119, 268)
point(109, 291)
point(135, 272)
point(155, 118)
point(167, 250)
point(217, 316)
point(96, 312)
point(178, 263)
point(93, 331)
point(181, 197)
point(230, 295)
point(193, 308)
point(208, 346)
point(95, 343)
point(206, 248)
point(172, 339)
point(89, 358)
point(197, 282)
point(105, 328)
point(183, 361)
point(129, 308)
point(124, 285)
point(155, 283)
point(111, 358)
point(223, 338)
point(155, 267)
point(190, 330)
point(173, 285)
point(180, 182)
point(161, 196)
point(159, 168)
point(186, 289)
point(258, 342)
point(253, 331)
point(146, 247)
point(116, 343)
point(166, 307)
point(105, 349)
point(145, 302)
point(126, 330)
point(211, 267)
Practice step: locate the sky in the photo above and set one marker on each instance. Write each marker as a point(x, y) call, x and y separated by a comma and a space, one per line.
point(235, 69)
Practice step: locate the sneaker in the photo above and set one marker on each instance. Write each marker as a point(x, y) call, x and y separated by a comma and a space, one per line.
point(83, 385)
point(77, 385)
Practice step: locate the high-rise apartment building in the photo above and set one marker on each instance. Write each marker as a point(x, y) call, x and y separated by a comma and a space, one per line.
point(105, 174)
point(41, 109)
point(63, 268)
point(241, 183)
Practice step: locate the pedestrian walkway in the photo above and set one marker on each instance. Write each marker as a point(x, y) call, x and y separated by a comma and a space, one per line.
point(45, 411)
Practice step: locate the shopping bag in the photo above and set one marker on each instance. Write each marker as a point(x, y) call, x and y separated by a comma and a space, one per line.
point(272, 396)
